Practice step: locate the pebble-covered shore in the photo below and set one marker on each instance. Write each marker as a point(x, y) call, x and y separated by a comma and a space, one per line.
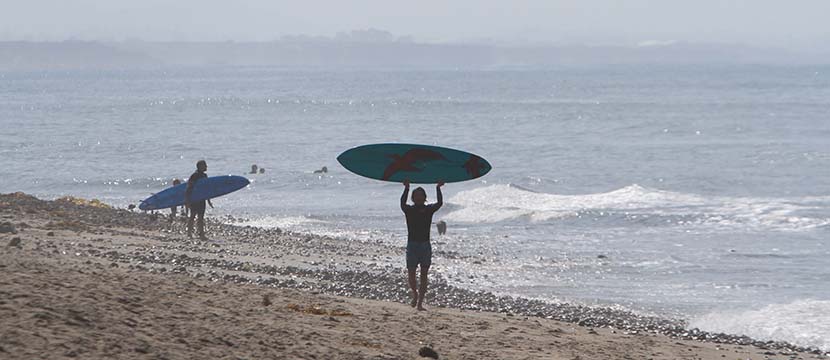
point(275, 258)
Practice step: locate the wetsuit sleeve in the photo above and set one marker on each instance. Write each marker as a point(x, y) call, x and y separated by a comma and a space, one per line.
point(440, 198)
point(403, 199)
point(190, 182)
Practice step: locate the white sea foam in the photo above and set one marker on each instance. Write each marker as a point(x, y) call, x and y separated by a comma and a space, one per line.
point(803, 322)
point(505, 202)
point(334, 229)
point(287, 222)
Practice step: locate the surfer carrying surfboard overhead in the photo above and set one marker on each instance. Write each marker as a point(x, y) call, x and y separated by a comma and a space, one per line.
point(423, 164)
point(197, 208)
point(418, 247)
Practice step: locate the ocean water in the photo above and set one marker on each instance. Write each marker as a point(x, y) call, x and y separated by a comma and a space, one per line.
point(700, 192)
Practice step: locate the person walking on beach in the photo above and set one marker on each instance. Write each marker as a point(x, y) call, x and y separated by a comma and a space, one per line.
point(197, 208)
point(418, 247)
point(174, 210)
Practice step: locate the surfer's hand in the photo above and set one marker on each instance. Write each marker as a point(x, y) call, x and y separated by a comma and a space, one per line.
point(406, 183)
point(440, 184)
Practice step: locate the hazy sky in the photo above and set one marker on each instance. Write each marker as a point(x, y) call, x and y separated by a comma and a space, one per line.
point(801, 24)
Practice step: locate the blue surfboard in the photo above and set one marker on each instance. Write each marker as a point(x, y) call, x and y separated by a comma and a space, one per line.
point(207, 188)
point(422, 164)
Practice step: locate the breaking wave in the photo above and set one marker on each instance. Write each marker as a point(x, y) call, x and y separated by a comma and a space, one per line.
point(634, 203)
point(803, 322)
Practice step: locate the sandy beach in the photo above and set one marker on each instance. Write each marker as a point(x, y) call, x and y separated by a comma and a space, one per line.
point(79, 279)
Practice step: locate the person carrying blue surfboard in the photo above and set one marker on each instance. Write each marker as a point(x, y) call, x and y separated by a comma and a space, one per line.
point(197, 208)
point(418, 247)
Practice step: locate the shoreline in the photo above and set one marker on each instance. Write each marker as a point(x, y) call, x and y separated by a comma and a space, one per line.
point(98, 238)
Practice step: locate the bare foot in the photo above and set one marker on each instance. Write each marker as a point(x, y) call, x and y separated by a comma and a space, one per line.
point(414, 300)
point(421, 308)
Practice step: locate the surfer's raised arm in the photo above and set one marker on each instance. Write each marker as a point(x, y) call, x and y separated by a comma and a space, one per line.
point(439, 196)
point(404, 195)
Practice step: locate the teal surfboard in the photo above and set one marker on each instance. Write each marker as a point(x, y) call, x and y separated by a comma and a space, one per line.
point(207, 188)
point(422, 164)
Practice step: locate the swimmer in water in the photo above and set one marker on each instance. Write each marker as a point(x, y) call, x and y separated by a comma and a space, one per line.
point(442, 227)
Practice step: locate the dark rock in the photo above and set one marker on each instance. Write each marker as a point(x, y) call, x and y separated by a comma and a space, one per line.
point(71, 353)
point(51, 233)
point(7, 228)
point(428, 352)
point(15, 241)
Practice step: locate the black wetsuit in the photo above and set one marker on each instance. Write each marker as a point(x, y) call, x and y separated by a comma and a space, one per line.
point(418, 225)
point(196, 207)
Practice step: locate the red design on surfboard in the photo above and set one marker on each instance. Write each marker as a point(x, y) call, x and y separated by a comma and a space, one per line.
point(407, 161)
point(474, 166)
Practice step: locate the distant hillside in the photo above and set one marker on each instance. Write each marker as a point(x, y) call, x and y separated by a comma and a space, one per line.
point(68, 55)
point(383, 53)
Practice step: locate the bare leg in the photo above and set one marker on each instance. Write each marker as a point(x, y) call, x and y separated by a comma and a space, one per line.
point(201, 227)
point(190, 225)
point(422, 291)
point(413, 285)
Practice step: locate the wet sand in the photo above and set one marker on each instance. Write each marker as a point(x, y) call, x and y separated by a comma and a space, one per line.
point(92, 282)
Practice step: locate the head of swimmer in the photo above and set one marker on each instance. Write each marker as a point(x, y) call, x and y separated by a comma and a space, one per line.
point(201, 166)
point(419, 196)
